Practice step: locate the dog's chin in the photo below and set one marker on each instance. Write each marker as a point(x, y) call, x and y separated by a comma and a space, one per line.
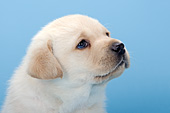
point(113, 73)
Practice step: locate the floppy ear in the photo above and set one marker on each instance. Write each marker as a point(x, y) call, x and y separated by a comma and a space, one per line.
point(43, 64)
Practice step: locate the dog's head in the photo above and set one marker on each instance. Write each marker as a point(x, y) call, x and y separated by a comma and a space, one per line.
point(76, 48)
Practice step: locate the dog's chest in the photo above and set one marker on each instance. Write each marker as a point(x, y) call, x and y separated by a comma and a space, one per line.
point(81, 98)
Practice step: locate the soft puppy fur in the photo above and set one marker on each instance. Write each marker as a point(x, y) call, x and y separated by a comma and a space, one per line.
point(66, 69)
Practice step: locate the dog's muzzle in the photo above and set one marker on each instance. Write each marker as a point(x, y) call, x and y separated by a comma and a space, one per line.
point(119, 49)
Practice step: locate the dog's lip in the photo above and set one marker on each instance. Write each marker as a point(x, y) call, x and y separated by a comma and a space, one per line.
point(114, 69)
point(126, 61)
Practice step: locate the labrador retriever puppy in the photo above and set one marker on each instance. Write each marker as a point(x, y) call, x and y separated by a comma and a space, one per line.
point(66, 68)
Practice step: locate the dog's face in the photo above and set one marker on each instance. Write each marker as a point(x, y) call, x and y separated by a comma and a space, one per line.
point(78, 48)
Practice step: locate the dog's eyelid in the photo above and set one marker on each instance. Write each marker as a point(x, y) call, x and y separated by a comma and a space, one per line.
point(83, 44)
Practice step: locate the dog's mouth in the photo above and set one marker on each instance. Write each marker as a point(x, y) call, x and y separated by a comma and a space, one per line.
point(114, 69)
point(124, 61)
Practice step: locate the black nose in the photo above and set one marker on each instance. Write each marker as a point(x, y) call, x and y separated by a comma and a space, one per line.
point(118, 48)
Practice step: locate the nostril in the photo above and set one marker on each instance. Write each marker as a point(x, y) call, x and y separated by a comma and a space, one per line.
point(121, 46)
point(118, 48)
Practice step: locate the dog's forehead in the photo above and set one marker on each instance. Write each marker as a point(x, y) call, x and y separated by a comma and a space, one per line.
point(78, 19)
point(77, 24)
point(74, 26)
point(68, 31)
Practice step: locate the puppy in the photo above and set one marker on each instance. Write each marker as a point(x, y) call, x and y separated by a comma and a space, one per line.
point(66, 69)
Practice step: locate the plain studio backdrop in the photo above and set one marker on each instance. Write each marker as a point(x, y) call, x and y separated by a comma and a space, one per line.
point(143, 25)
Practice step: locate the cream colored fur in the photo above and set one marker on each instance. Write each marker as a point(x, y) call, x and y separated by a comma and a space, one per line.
point(56, 77)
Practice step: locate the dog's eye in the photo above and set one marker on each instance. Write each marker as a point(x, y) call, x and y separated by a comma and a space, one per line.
point(83, 44)
point(107, 34)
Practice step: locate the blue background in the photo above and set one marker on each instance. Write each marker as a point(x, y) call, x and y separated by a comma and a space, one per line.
point(143, 25)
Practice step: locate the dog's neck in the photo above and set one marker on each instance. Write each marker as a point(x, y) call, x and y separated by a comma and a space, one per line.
point(75, 96)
